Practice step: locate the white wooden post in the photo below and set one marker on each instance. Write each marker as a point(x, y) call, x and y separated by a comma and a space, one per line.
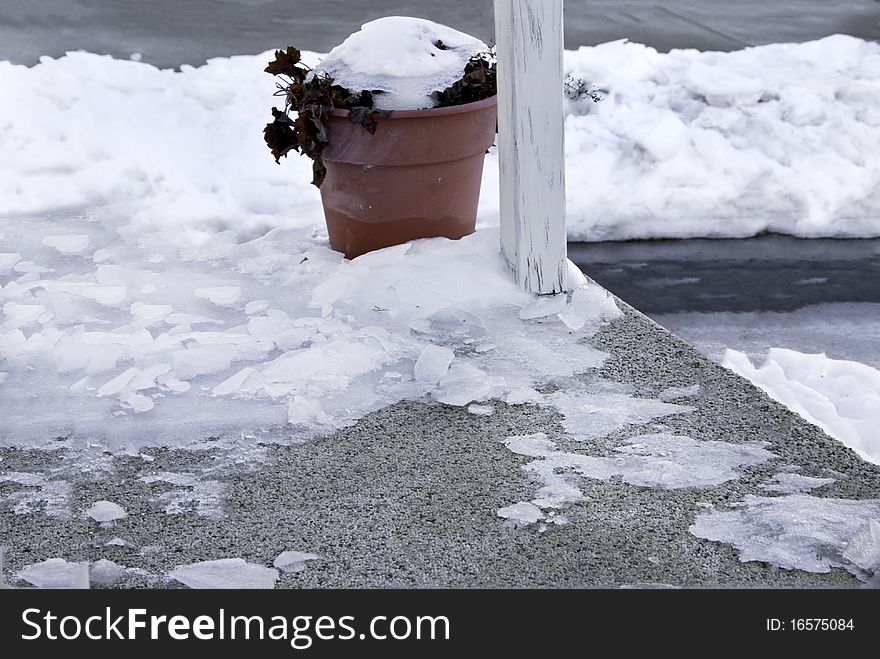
point(529, 40)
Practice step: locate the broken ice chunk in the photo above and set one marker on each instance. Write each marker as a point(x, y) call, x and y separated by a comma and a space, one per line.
point(178, 318)
point(106, 572)
point(543, 306)
point(574, 278)
point(521, 513)
point(306, 412)
point(225, 573)
point(148, 314)
point(67, 244)
point(533, 446)
point(293, 561)
point(481, 410)
point(589, 303)
point(107, 295)
point(433, 364)
point(674, 393)
point(173, 384)
point(465, 384)
point(522, 395)
point(256, 307)
point(106, 511)
point(233, 384)
point(452, 327)
point(794, 483)
point(137, 402)
point(22, 314)
point(119, 383)
point(222, 296)
point(202, 360)
point(864, 548)
point(56, 573)
point(8, 260)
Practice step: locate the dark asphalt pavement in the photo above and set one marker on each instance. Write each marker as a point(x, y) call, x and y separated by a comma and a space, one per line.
point(769, 273)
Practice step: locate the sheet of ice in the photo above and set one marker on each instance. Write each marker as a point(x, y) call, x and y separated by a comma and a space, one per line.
point(591, 414)
point(225, 573)
point(787, 483)
point(105, 511)
point(797, 532)
point(841, 397)
point(293, 561)
point(327, 342)
point(659, 461)
point(56, 573)
point(406, 59)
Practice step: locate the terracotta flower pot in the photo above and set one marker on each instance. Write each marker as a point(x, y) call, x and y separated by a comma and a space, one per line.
point(418, 177)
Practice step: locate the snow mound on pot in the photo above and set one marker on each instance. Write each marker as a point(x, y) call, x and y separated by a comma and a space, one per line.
point(408, 59)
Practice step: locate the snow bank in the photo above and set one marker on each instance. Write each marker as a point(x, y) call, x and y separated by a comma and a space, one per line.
point(783, 137)
point(841, 397)
point(406, 59)
point(779, 137)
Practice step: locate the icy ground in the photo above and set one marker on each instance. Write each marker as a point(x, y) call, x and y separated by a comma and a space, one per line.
point(781, 137)
point(163, 280)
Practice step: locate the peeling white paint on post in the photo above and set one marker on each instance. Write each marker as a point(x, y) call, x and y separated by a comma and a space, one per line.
point(531, 130)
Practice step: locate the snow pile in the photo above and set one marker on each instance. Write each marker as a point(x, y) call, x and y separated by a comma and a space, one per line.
point(841, 397)
point(782, 137)
point(407, 59)
point(225, 573)
point(799, 532)
point(779, 137)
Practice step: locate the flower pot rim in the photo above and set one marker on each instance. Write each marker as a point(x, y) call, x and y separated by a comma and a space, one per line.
point(430, 112)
